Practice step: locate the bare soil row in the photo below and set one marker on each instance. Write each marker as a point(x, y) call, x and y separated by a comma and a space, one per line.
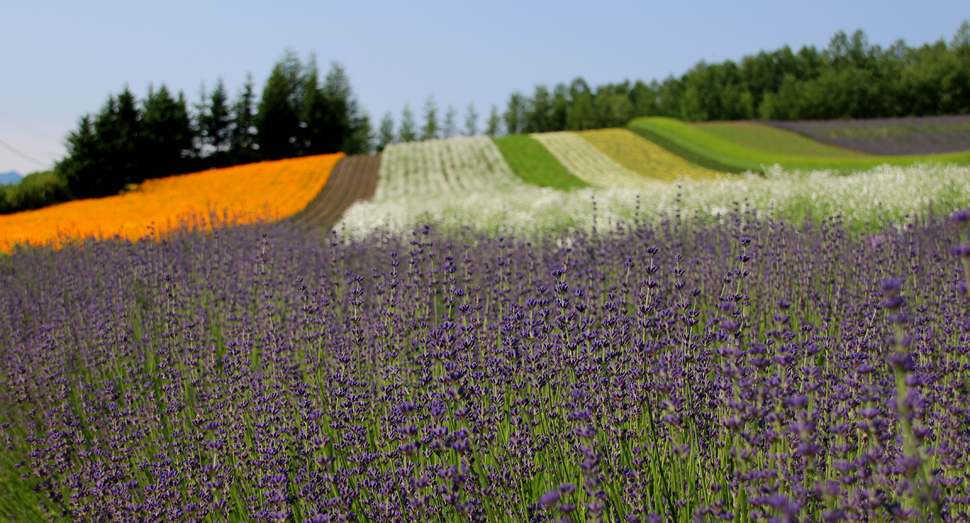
point(354, 178)
point(889, 136)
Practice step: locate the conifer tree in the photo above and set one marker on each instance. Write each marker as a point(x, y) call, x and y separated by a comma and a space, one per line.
point(79, 170)
point(242, 136)
point(385, 136)
point(430, 129)
point(515, 114)
point(493, 127)
point(165, 145)
point(199, 122)
point(355, 124)
point(322, 126)
point(471, 121)
point(218, 121)
point(407, 132)
point(279, 112)
point(118, 128)
point(450, 128)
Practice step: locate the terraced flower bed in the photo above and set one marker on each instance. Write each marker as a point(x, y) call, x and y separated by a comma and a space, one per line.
point(775, 139)
point(532, 162)
point(707, 149)
point(890, 136)
point(584, 161)
point(440, 180)
point(243, 194)
point(644, 157)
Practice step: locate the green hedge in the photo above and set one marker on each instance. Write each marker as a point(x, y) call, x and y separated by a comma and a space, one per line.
point(34, 191)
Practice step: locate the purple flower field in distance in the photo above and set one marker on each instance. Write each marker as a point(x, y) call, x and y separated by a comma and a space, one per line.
point(747, 370)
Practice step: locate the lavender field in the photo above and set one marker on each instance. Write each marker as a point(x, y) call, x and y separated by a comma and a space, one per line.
point(681, 370)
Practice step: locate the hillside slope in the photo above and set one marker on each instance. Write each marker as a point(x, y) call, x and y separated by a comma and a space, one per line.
point(238, 195)
point(354, 178)
point(718, 153)
point(643, 157)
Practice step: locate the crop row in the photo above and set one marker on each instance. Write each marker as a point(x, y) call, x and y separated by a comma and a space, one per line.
point(464, 179)
point(459, 165)
point(643, 157)
point(242, 194)
point(894, 194)
point(713, 150)
point(588, 163)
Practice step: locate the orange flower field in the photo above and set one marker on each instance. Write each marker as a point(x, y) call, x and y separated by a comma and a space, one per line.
point(241, 194)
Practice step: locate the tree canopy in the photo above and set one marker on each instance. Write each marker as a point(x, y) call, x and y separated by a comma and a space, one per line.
point(131, 140)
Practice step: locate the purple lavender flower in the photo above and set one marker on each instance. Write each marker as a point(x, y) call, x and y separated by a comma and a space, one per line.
point(961, 218)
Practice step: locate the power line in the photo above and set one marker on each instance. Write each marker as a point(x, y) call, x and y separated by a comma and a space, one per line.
point(22, 155)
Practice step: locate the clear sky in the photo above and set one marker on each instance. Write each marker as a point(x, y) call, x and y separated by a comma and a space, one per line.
point(61, 59)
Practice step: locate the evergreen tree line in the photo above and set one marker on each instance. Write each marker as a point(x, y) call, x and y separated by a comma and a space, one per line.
point(849, 79)
point(432, 128)
point(131, 140)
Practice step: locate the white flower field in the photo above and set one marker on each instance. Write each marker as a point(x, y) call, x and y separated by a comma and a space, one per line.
point(465, 182)
point(435, 167)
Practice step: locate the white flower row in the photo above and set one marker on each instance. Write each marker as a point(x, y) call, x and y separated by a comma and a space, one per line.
point(588, 163)
point(882, 193)
point(414, 171)
point(458, 179)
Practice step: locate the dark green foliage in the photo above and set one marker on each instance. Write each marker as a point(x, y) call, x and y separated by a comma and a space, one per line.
point(471, 121)
point(242, 135)
point(450, 127)
point(278, 116)
point(430, 131)
point(214, 126)
point(494, 124)
point(532, 162)
point(515, 114)
point(103, 152)
point(385, 135)
point(407, 132)
point(34, 191)
point(130, 141)
point(332, 120)
point(118, 128)
point(80, 169)
point(849, 79)
point(165, 145)
point(355, 128)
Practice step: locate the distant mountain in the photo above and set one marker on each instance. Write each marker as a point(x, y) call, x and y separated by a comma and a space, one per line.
point(10, 178)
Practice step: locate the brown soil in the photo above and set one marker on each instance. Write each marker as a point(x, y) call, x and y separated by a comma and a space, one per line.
point(353, 178)
point(889, 136)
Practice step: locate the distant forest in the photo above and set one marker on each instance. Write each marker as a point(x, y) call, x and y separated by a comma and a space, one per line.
point(298, 113)
point(850, 79)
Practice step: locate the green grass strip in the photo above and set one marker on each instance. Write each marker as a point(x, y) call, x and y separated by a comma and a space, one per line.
point(690, 151)
point(715, 152)
point(775, 140)
point(532, 162)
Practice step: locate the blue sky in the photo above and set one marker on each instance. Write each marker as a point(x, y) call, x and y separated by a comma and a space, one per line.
point(61, 59)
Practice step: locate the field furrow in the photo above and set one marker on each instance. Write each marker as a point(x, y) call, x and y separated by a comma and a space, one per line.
point(351, 180)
